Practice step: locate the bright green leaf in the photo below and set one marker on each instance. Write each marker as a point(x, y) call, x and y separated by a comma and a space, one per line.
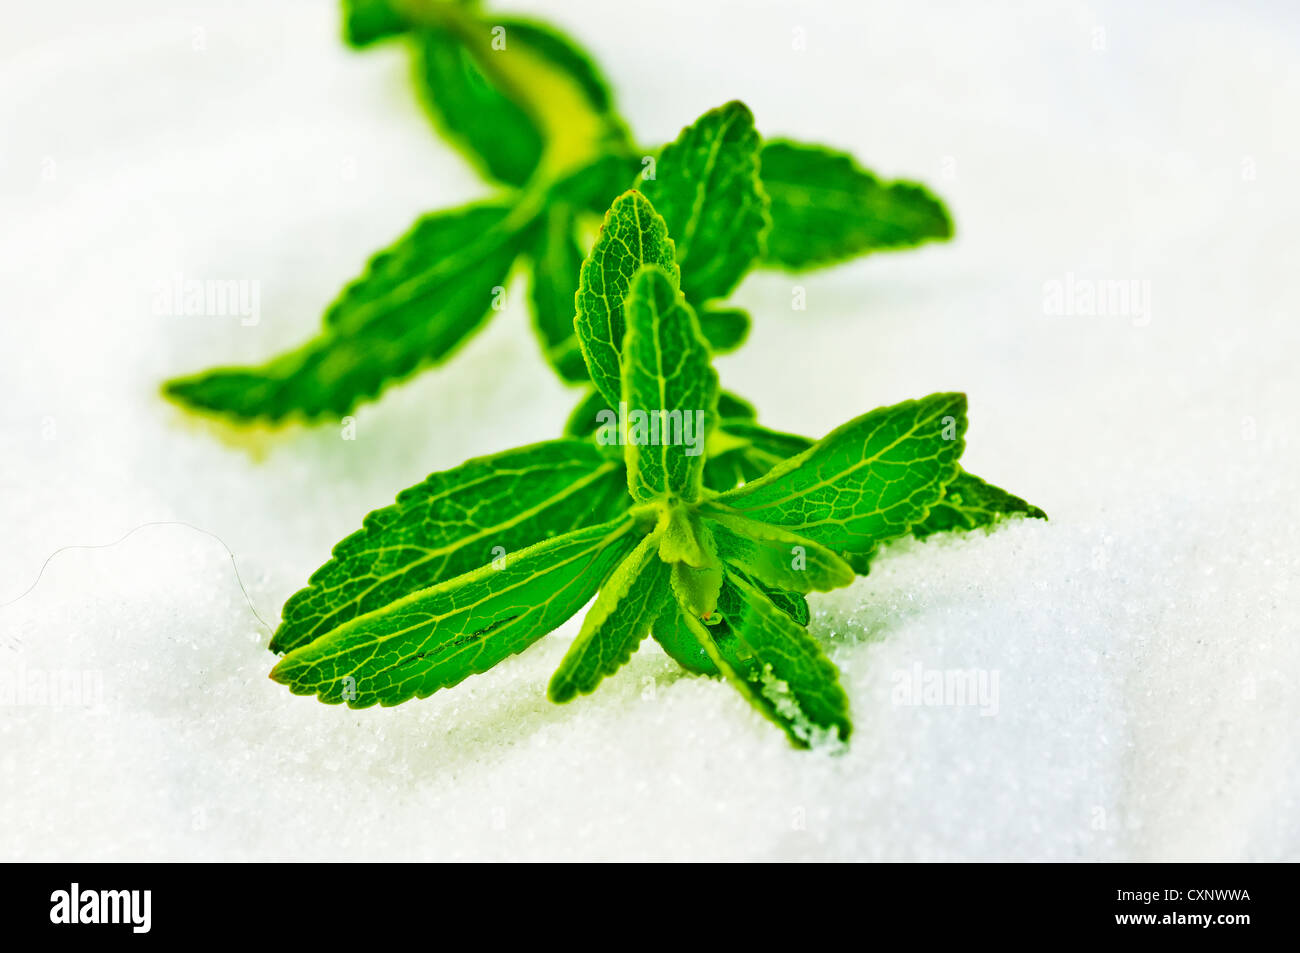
point(632, 235)
point(633, 595)
point(583, 419)
point(741, 451)
point(776, 556)
point(687, 545)
point(682, 538)
point(437, 637)
point(696, 588)
point(670, 391)
point(455, 521)
point(868, 481)
point(676, 638)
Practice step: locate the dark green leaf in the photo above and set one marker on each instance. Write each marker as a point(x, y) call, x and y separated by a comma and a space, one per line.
point(826, 208)
point(706, 188)
point(725, 329)
point(730, 406)
point(517, 95)
point(791, 603)
point(968, 503)
point(775, 664)
point(367, 21)
point(491, 129)
point(416, 303)
point(583, 419)
point(554, 269)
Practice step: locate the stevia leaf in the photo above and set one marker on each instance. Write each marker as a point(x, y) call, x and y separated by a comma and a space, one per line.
point(491, 129)
point(731, 407)
point(583, 419)
point(632, 235)
point(747, 451)
point(706, 187)
point(367, 21)
point(515, 94)
point(437, 637)
point(415, 304)
point(777, 557)
point(696, 588)
point(792, 604)
point(669, 389)
point(593, 187)
point(775, 664)
point(675, 637)
point(635, 592)
point(684, 538)
point(556, 259)
point(569, 96)
point(687, 545)
point(826, 208)
point(767, 447)
point(673, 634)
point(968, 503)
point(744, 451)
point(725, 329)
point(730, 469)
point(811, 701)
point(868, 481)
point(453, 522)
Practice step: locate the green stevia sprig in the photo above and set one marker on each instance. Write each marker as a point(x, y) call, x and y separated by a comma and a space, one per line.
point(685, 519)
point(534, 114)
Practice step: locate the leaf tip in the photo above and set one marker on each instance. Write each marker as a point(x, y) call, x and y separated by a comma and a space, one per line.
point(280, 672)
point(560, 690)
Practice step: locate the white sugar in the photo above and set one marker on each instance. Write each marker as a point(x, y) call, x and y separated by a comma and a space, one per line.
point(1117, 683)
